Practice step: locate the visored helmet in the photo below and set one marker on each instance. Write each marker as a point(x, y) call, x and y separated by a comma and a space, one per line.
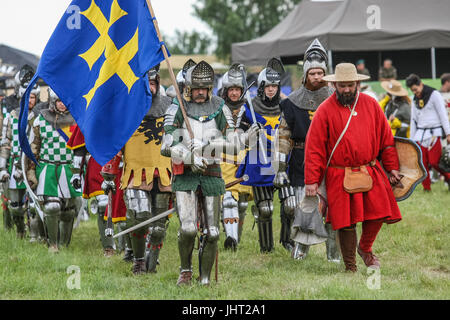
point(271, 75)
point(22, 78)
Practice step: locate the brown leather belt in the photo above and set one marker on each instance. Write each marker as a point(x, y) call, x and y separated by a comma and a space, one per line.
point(372, 163)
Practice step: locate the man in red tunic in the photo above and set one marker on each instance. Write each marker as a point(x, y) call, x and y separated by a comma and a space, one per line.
point(367, 141)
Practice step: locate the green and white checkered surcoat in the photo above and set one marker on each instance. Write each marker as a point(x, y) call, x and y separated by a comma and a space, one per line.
point(15, 153)
point(55, 162)
point(53, 146)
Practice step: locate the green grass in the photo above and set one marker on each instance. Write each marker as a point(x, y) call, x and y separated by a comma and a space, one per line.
point(376, 86)
point(414, 253)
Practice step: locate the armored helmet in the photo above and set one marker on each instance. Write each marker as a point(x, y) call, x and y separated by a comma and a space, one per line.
point(182, 73)
point(199, 76)
point(315, 57)
point(22, 78)
point(52, 99)
point(271, 75)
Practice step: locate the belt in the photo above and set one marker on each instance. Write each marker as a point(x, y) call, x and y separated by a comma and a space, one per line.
point(299, 144)
point(372, 163)
point(209, 172)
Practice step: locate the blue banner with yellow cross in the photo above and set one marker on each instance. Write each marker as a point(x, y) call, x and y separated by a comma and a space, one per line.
point(96, 62)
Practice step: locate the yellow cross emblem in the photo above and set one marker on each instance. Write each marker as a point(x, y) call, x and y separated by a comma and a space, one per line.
point(273, 122)
point(116, 60)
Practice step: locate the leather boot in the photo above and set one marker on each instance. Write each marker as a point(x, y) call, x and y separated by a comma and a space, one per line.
point(347, 242)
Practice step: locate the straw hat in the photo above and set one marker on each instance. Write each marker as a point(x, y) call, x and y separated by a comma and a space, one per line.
point(394, 87)
point(345, 72)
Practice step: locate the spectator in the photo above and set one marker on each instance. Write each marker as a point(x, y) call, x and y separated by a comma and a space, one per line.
point(397, 108)
point(361, 68)
point(445, 90)
point(429, 123)
point(387, 71)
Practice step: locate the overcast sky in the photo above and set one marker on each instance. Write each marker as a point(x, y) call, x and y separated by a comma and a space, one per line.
point(28, 24)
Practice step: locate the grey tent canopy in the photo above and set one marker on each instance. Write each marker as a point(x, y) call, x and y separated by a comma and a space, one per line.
point(352, 25)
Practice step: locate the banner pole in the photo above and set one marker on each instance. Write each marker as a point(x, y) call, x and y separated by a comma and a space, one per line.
point(172, 75)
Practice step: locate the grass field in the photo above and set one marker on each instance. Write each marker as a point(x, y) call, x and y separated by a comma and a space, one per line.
point(414, 253)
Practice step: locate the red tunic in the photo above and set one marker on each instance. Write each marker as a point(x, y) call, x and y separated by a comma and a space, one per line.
point(368, 137)
point(93, 180)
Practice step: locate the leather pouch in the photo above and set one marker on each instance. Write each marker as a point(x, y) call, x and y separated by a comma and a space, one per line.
point(357, 181)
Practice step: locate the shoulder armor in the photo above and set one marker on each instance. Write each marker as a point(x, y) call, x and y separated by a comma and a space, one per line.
point(169, 117)
point(229, 116)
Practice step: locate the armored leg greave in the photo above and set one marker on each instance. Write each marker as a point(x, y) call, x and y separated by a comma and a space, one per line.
point(157, 230)
point(138, 203)
point(210, 236)
point(242, 207)
point(67, 218)
point(300, 251)
point(333, 254)
point(288, 204)
point(187, 213)
point(102, 203)
point(230, 220)
point(7, 220)
point(17, 209)
point(52, 213)
point(263, 215)
point(37, 232)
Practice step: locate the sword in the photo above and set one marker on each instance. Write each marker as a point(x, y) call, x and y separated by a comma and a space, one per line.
point(252, 111)
point(32, 195)
point(146, 222)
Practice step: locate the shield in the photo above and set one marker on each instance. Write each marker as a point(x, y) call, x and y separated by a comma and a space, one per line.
point(411, 167)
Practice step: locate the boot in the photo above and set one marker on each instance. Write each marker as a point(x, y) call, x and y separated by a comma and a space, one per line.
point(184, 278)
point(370, 260)
point(128, 256)
point(139, 266)
point(347, 241)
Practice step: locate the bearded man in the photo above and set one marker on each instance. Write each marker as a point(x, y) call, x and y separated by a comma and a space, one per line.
point(367, 137)
point(297, 112)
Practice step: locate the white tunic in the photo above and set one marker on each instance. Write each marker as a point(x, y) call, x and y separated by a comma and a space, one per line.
point(430, 121)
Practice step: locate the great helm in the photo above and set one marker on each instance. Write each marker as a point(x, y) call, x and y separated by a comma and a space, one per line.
point(315, 57)
point(271, 75)
point(197, 77)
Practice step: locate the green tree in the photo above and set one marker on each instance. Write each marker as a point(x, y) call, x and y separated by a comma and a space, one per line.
point(185, 42)
point(241, 20)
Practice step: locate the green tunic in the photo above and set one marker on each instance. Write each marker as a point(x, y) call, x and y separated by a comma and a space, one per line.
point(190, 181)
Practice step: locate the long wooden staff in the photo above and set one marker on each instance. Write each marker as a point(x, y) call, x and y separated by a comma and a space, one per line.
point(172, 75)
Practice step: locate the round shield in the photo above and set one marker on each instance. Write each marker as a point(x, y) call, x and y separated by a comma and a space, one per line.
point(411, 170)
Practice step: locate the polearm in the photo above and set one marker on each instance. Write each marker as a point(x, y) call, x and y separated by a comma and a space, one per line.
point(252, 111)
point(146, 222)
point(172, 75)
point(109, 230)
point(237, 181)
